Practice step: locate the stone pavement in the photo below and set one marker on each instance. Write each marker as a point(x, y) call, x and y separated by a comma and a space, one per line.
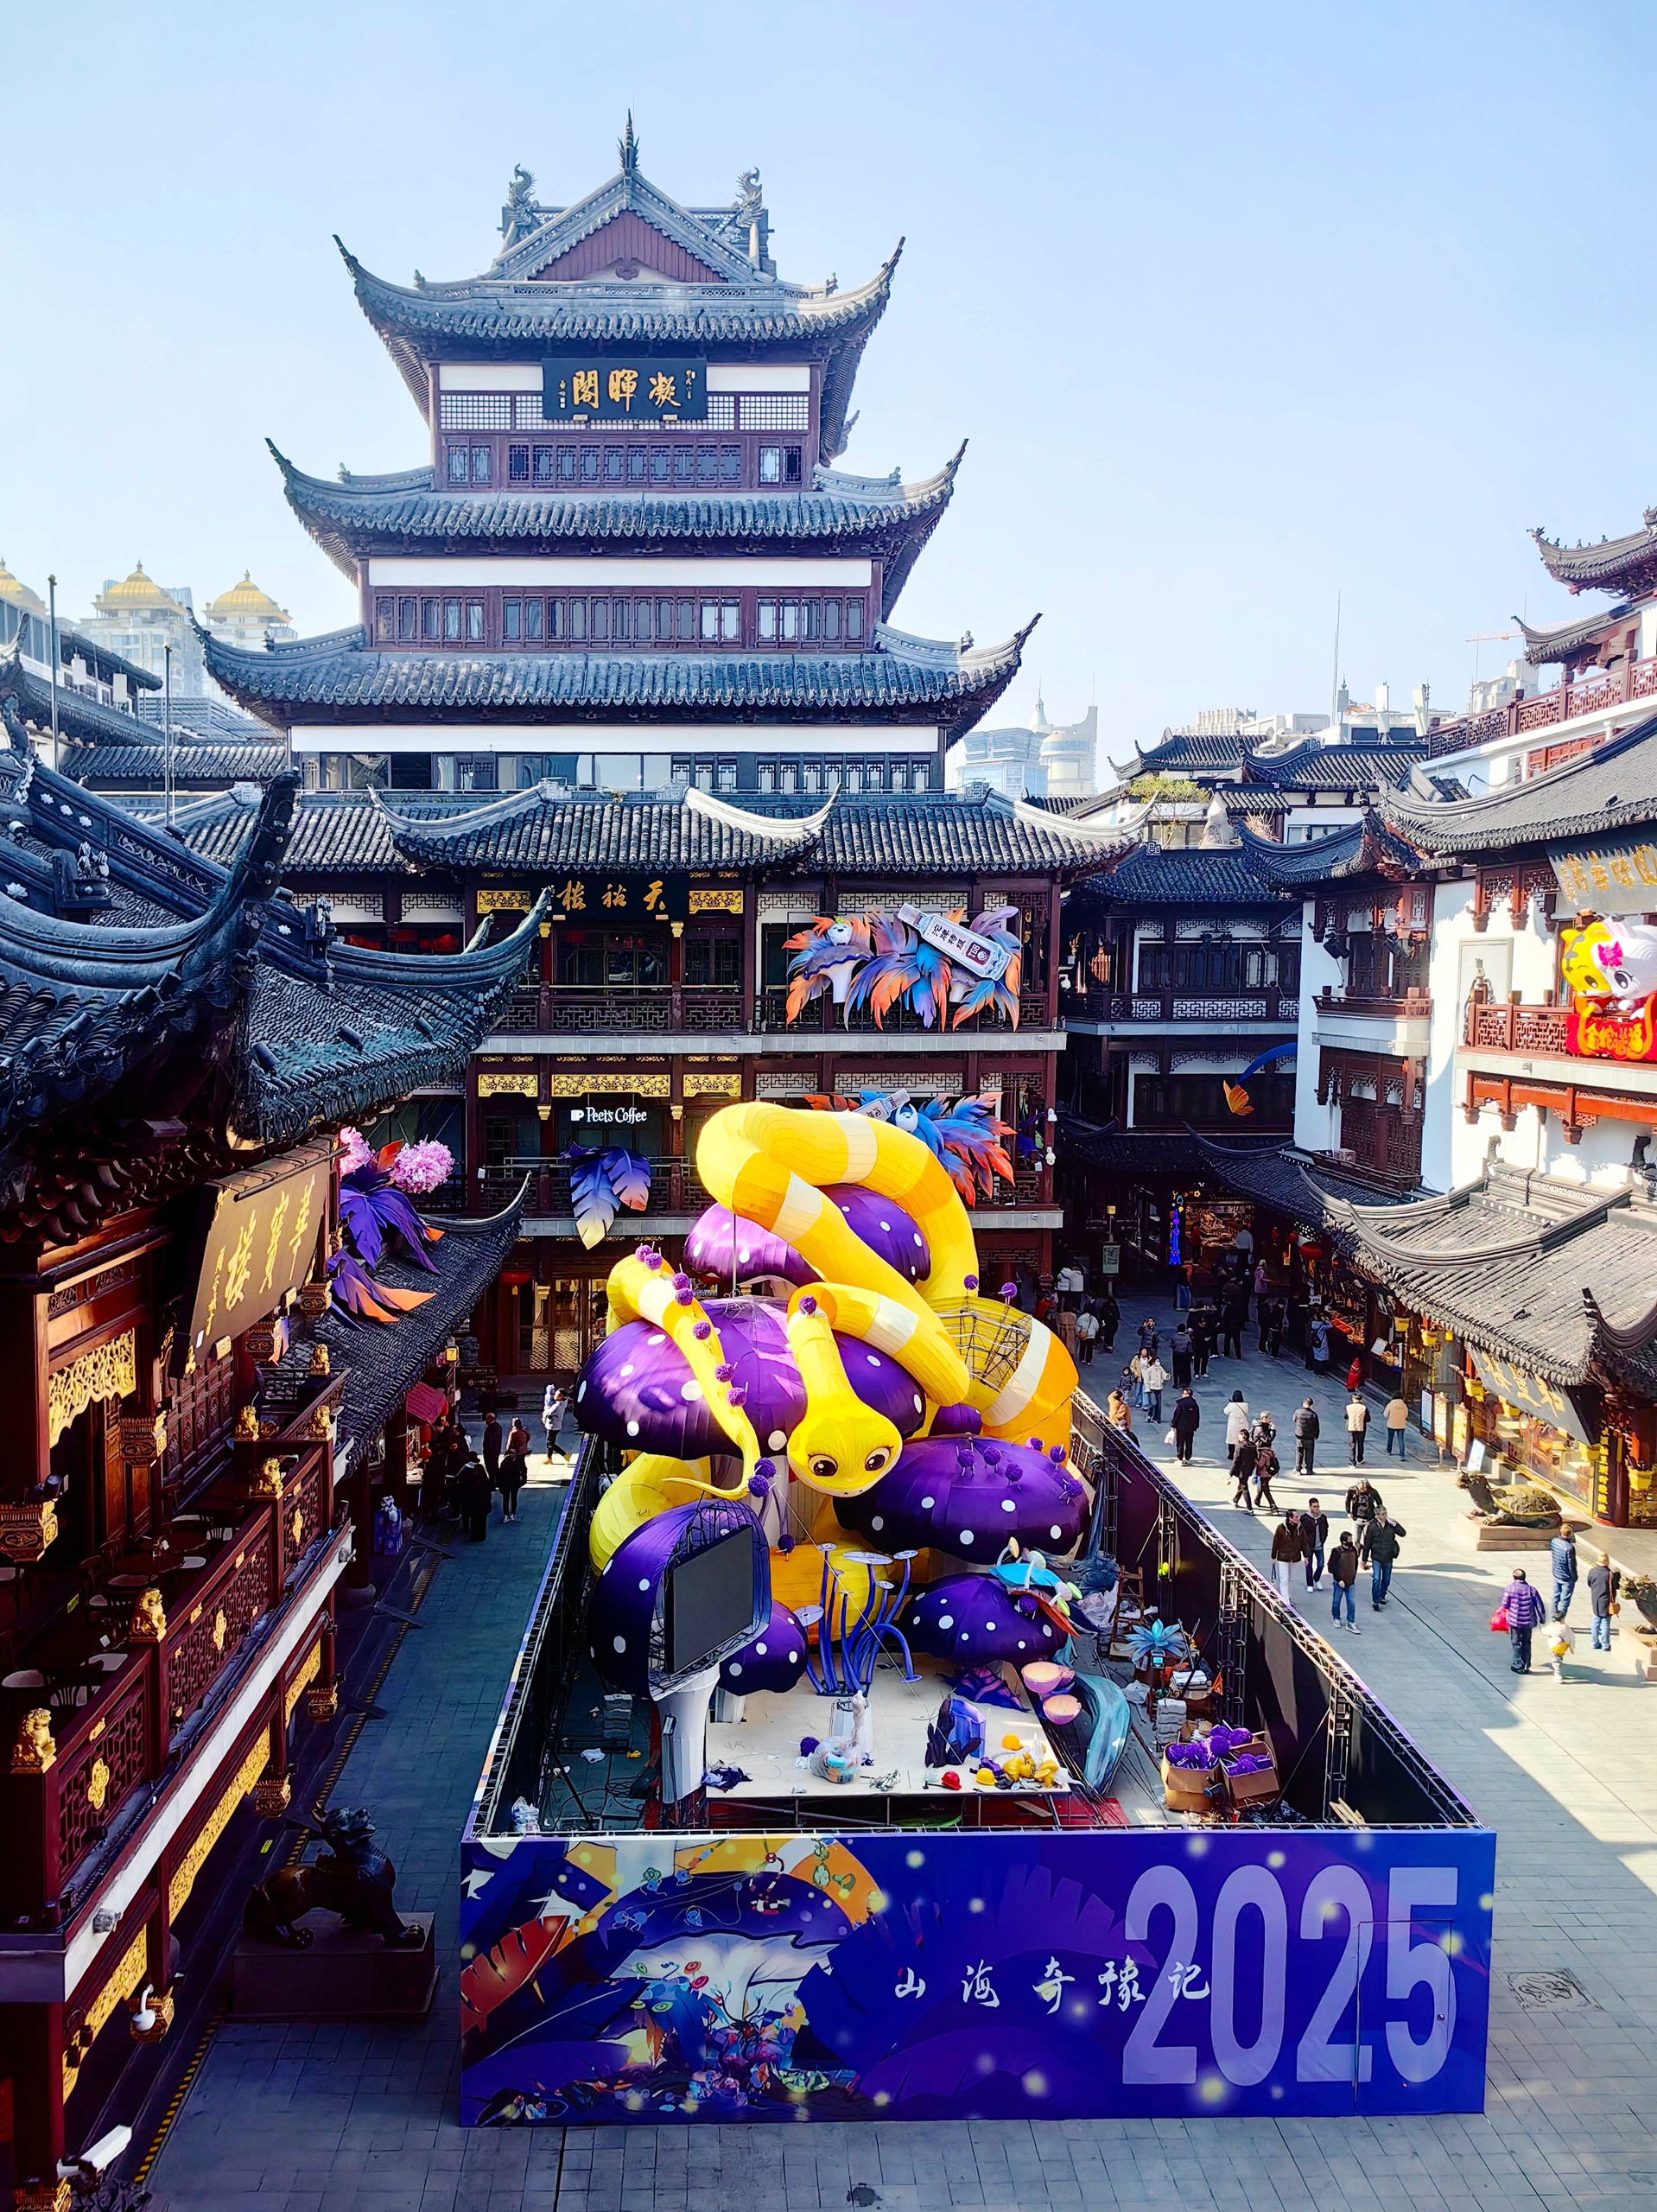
point(362, 2119)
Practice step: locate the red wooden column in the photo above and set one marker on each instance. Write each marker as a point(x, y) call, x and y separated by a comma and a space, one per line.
point(34, 2034)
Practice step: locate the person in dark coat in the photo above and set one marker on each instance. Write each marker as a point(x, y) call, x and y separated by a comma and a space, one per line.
point(1201, 1329)
point(1344, 1564)
point(1605, 1588)
point(477, 1491)
point(492, 1445)
point(1306, 1428)
point(1233, 1314)
point(1380, 1551)
point(1314, 1535)
point(514, 1473)
point(1362, 1503)
point(1245, 1462)
point(1186, 1419)
point(1110, 1319)
point(1181, 1357)
point(1526, 1610)
point(1148, 1337)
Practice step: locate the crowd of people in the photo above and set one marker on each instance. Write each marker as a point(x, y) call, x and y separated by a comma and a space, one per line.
point(460, 1484)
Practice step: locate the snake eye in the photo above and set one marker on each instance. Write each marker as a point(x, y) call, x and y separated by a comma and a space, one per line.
point(823, 1467)
point(875, 1461)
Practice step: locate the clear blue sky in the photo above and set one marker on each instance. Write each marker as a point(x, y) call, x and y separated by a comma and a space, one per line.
point(1238, 306)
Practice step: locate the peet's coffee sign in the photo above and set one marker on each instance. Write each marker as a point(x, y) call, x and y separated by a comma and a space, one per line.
point(655, 390)
point(1529, 1394)
point(259, 1234)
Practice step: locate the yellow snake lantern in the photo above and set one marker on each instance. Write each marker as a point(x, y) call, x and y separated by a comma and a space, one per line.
point(885, 1357)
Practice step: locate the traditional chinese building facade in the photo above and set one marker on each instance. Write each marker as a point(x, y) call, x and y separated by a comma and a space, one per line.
point(186, 1494)
point(625, 562)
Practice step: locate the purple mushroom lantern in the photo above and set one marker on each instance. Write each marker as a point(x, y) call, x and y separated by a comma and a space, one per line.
point(972, 1618)
point(686, 1590)
point(889, 1233)
point(970, 1495)
point(773, 1659)
point(730, 1246)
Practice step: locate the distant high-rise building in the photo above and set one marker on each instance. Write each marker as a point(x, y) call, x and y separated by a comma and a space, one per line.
point(139, 620)
point(249, 617)
point(1038, 759)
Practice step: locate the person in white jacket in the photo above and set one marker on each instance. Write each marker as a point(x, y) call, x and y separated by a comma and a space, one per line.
point(1236, 1423)
point(1155, 1376)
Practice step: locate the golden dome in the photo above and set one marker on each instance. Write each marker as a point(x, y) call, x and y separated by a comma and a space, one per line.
point(245, 602)
point(136, 593)
point(19, 594)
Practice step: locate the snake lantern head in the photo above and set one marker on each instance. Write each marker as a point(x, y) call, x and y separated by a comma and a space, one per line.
point(840, 1446)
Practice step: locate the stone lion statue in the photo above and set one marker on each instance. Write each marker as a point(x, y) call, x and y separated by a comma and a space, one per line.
point(34, 1750)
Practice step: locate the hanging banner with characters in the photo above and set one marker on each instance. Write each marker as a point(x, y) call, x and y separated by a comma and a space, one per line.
point(1611, 970)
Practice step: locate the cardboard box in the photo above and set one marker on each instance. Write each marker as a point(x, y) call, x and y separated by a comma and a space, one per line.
point(1252, 1788)
point(1184, 1789)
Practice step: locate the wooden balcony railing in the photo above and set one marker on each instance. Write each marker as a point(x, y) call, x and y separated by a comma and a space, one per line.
point(565, 1009)
point(1519, 1029)
point(1547, 709)
point(116, 1728)
point(1414, 1006)
point(1103, 1005)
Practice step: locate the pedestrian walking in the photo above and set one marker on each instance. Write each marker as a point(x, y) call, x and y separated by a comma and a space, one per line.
point(1379, 1551)
point(1067, 1320)
point(1233, 1313)
point(1307, 1429)
point(1110, 1319)
point(1318, 1339)
point(1286, 1553)
point(514, 1473)
point(518, 1436)
point(1314, 1535)
point(1118, 1414)
point(1187, 1420)
point(1087, 1335)
point(492, 1444)
point(476, 1492)
point(1362, 1503)
point(1523, 1610)
point(1181, 1357)
point(1562, 1557)
point(1604, 1590)
point(1344, 1564)
point(1265, 1466)
point(1561, 1643)
point(1135, 1378)
point(1398, 1422)
point(1245, 1463)
point(1202, 1327)
point(1155, 1376)
point(552, 1415)
point(1236, 1423)
point(1357, 1426)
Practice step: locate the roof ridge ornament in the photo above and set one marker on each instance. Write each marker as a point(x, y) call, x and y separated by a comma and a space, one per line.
point(627, 146)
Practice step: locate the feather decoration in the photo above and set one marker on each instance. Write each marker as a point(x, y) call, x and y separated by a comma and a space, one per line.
point(825, 957)
point(358, 1295)
point(371, 1207)
point(600, 1183)
point(1002, 993)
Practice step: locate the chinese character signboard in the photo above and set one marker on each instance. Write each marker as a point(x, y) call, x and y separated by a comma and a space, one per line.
point(652, 391)
point(1529, 1394)
point(617, 897)
point(258, 1242)
point(1617, 878)
point(923, 1976)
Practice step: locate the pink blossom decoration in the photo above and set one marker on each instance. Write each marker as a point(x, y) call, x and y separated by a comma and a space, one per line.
point(420, 1168)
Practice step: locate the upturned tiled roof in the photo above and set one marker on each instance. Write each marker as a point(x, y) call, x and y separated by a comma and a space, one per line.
point(142, 766)
point(1556, 1276)
point(1152, 876)
point(1365, 848)
point(384, 1362)
point(81, 720)
point(1312, 766)
point(334, 833)
point(1544, 647)
point(1613, 787)
point(1180, 752)
point(382, 514)
point(1621, 564)
point(1291, 1181)
point(1115, 1150)
point(912, 679)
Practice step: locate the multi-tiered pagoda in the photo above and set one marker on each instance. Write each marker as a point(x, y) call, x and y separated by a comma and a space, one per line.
point(626, 562)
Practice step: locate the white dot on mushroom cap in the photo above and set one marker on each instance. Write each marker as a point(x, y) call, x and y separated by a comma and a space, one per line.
point(793, 1658)
point(1009, 1505)
point(1056, 1533)
point(886, 1225)
point(927, 1503)
point(1021, 1644)
point(627, 1369)
point(580, 1391)
point(918, 1236)
point(632, 1428)
point(644, 1582)
point(690, 1392)
point(918, 1403)
point(621, 1644)
point(963, 1635)
point(760, 1648)
point(776, 1440)
point(966, 1536)
point(735, 1667)
point(946, 1620)
point(659, 1338)
point(1047, 1633)
point(878, 1523)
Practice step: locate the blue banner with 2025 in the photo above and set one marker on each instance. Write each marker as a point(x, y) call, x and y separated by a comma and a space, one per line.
point(929, 1976)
